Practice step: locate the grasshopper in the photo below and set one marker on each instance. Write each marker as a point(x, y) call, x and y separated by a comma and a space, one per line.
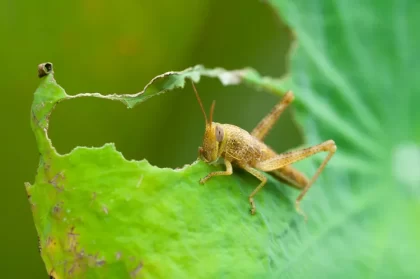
point(249, 152)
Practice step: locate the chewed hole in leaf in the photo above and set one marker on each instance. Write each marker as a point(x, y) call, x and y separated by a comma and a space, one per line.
point(153, 130)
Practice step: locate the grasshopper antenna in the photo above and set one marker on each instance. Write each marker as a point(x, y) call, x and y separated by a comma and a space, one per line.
point(211, 111)
point(201, 104)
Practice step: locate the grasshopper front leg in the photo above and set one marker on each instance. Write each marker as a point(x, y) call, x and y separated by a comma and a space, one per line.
point(228, 171)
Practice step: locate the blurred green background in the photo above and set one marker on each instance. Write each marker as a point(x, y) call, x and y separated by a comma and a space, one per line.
point(117, 48)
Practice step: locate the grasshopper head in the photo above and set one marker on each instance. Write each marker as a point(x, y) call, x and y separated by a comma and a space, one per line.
point(213, 136)
point(212, 142)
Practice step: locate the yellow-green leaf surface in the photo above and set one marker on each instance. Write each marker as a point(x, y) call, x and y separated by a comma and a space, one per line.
point(99, 215)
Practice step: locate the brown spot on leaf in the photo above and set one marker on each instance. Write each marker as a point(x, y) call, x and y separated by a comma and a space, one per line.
point(50, 243)
point(74, 267)
point(136, 270)
point(47, 167)
point(72, 238)
point(57, 208)
point(55, 181)
point(100, 262)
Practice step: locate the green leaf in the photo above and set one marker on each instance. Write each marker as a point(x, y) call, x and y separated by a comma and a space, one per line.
point(355, 73)
point(99, 215)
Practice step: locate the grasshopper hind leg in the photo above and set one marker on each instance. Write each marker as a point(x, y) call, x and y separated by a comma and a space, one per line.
point(288, 158)
point(291, 176)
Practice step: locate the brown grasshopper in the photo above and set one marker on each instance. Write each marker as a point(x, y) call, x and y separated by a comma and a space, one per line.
point(249, 152)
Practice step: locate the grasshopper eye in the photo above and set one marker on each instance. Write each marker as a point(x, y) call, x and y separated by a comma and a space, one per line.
point(219, 133)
